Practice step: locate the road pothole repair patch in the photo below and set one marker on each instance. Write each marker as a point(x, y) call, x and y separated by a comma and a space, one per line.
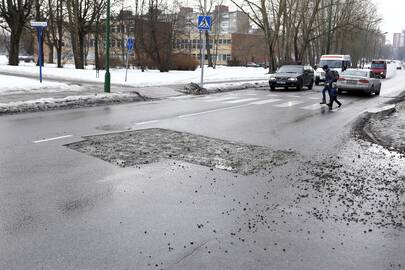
point(134, 148)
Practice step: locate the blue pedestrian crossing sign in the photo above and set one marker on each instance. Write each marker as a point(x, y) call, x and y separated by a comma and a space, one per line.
point(130, 43)
point(204, 22)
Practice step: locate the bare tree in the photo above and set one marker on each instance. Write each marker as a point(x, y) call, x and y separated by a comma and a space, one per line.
point(81, 18)
point(302, 30)
point(16, 13)
point(55, 27)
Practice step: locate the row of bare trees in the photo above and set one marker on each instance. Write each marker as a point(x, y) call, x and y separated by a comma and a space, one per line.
point(302, 30)
point(78, 18)
point(76, 22)
point(294, 30)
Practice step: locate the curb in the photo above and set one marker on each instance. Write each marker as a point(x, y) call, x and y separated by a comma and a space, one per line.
point(360, 128)
point(70, 102)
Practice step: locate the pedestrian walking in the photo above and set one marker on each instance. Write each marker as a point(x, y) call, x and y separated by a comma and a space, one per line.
point(333, 98)
point(329, 78)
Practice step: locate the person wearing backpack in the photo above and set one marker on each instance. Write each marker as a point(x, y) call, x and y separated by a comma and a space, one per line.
point(329, 78)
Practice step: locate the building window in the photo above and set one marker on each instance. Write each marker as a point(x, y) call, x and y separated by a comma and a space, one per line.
point(228, 41)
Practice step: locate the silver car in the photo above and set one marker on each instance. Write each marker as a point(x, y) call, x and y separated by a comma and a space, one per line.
point(363, 80)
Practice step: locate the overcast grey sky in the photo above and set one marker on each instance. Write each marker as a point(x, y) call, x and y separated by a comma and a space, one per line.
point(393, 14)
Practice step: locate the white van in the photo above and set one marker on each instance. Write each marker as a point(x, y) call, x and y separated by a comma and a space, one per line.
point(335, 62)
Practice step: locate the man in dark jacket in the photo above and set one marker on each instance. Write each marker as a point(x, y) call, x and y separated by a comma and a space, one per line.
point(329, 79)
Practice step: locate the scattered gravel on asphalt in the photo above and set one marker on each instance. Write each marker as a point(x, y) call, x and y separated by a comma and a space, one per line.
point(132, 148)
point(364, 184)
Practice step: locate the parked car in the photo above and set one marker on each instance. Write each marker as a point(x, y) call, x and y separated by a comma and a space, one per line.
point(26, 58)
point(252, 64)
point(296, 76)
point(361, 80)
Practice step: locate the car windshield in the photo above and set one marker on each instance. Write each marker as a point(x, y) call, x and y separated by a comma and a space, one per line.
point(354, 72)
point(377, 65)
point(290, 69)
point(331, 63)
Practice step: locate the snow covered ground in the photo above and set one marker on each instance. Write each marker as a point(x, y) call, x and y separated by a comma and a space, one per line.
point(18, 85)
point(58, 84)
point(137, 78)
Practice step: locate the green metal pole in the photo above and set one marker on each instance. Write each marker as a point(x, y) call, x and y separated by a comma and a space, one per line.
point(107, 79)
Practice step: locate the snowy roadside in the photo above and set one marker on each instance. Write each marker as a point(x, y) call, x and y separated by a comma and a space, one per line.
point(385, 127)
point(20, 90)
point(137, 78)
point(69, 102)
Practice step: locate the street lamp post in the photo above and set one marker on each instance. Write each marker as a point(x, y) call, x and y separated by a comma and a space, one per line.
point(107, 79)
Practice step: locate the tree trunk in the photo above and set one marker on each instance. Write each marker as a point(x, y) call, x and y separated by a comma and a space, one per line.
point(50, 54)
point(14, 46)
point(207, 45)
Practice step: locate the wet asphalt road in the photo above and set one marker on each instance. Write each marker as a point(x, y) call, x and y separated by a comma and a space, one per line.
point(61, 209)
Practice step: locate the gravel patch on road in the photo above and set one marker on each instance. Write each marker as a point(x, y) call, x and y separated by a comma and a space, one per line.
point(146, 146)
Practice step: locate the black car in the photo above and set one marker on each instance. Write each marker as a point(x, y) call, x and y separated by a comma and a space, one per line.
point(296, 76)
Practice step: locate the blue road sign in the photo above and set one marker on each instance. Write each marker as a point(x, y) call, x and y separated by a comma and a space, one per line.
point(204, 22)
point(40, 26)
point(130, 43)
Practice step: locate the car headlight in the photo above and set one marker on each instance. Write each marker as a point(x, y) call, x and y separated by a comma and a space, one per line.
point(272, 78)
point(292, 79)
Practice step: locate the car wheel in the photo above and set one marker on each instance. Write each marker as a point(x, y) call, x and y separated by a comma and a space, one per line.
point(371, 91)
point(316, 82)
point(272, 88)
point(339, 92)
point(299, 87)
point(311, 85)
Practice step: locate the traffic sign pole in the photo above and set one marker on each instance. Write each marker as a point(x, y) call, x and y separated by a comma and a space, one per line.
point(107, 78)
point(40, 52)
point(130, 47)
point(204, 24)
point(203, 58)
point(126, 72)
point(40, 26)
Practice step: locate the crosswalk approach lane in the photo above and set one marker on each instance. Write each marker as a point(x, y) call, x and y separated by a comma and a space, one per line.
point(282, 101)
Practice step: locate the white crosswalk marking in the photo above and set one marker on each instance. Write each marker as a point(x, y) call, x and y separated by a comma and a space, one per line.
point(293, 96)
point(219, 99)
point(288, 104)
point(272, 95)
point(240, 100)
point(315, 98)
point(312, 107)
point(261, 102)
